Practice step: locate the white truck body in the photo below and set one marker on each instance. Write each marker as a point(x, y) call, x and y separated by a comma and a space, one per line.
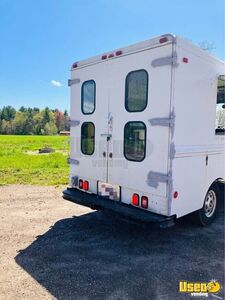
point(177, 153)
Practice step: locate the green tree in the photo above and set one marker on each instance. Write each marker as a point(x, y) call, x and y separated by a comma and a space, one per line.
point(50, 129)
point(22, 109)
point(46, 115)
point(66, 121)
point(32, 121)
point(18, 123)
point(8, 113)
point(6, 127)
point(29, 123)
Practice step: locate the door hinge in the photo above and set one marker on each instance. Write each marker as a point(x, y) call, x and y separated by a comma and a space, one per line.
point(164, 61)
point(74, 123)
point(170, 121)
point(154, 178)
point(73, 81)
point(73, 161)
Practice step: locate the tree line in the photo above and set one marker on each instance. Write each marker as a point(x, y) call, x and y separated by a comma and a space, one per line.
point(33, 121)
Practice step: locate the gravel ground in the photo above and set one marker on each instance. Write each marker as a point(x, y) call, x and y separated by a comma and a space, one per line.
point(53, 249)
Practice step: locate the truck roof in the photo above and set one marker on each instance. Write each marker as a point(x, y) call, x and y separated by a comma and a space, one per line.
point(140, 46)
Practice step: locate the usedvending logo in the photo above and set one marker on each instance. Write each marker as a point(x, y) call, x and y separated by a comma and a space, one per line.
point(200, 289)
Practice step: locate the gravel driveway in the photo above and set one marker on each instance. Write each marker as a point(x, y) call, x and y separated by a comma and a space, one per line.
point(53, 249)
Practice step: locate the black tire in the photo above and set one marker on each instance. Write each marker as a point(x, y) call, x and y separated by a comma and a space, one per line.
point(206, 215)
point(221, 192)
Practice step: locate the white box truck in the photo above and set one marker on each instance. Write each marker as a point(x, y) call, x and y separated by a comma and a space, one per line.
point(148, 131)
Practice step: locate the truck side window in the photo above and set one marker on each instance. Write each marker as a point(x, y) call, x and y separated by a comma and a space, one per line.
point(136, 91)
point(220, 106)
point(87, 138)
point(88, 91)
point(135, 141)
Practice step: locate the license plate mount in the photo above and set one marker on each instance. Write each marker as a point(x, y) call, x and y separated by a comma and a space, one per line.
point(109, 191)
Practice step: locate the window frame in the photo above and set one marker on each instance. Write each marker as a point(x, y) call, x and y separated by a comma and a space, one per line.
point(81, 148)
point(145, 127)
point(82, 96)
point(126, 91)
point(220, 77)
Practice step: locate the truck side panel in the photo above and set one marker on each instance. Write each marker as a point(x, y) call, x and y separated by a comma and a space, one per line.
point(199, 158)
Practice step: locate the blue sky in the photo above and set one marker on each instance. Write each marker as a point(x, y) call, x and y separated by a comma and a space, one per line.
point(41, 39)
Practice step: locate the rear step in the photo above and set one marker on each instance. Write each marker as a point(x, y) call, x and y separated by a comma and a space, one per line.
point(98, 202)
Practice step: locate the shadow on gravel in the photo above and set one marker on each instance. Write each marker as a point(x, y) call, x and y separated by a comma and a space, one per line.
point(96, 257)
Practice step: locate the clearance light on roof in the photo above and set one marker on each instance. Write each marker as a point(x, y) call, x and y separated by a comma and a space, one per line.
point(163, 40)
point(119, 52)
point(135, 199)
point(74, 65)
point(144, 202)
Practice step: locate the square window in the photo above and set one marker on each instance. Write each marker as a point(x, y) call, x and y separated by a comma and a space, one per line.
point(88, 90)
point(136, 95)
point(135, 141)
point(87, 138)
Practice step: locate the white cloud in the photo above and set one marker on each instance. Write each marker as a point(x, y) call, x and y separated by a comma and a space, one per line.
point(56, 83)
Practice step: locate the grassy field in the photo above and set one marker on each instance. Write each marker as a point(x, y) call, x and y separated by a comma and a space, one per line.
point(20, 163)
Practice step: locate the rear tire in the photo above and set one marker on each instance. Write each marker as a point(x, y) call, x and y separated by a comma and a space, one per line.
point(206, 215)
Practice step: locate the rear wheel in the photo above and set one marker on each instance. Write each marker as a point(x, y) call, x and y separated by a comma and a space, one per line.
point(207, 214)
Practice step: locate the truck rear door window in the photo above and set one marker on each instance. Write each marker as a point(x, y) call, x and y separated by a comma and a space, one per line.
point(87, 138)
point(136, 91)
point(135, 141)
point(220, 106)
point(88, 91)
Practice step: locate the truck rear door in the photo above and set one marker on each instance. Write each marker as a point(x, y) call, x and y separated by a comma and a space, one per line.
point(89, 123)
point(139, 92)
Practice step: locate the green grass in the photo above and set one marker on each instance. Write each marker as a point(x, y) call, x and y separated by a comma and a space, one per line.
point(19, 166)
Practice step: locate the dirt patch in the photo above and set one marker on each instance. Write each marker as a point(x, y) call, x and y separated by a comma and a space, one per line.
point(37, 152)
point(53, 249)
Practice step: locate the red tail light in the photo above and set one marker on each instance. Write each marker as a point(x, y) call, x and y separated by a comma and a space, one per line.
point(175, 195)
point(135, 199)
point(86, 185)
point(80, 184)
point(144, 202)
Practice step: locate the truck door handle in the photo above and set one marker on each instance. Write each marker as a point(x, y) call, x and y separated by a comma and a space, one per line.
point(110, 155)
point(104, 154)
point(106, 134)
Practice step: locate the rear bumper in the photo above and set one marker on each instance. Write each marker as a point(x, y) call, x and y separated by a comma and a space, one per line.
point(98, 202)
